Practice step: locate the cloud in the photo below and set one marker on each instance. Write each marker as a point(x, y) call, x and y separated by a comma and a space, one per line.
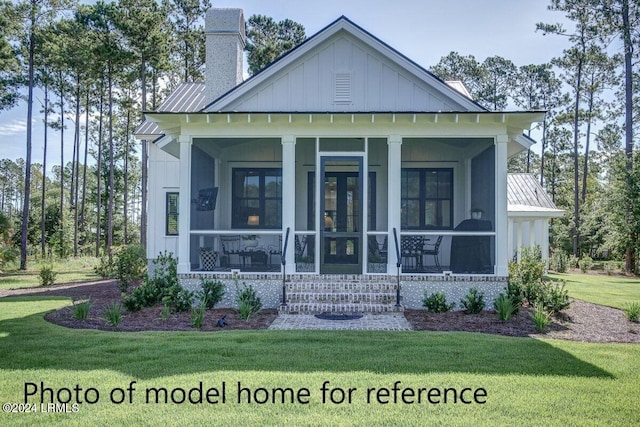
point(13, 128)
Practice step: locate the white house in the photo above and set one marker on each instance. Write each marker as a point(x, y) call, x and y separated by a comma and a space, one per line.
point(338, 157)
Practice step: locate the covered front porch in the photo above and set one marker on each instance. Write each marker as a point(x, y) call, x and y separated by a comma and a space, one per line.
point(343, 194)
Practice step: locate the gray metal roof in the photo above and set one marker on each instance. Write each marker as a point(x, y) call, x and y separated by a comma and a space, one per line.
point(186, 98)
point(525, 190)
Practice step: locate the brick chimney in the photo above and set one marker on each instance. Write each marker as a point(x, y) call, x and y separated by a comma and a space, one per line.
point(225, 33)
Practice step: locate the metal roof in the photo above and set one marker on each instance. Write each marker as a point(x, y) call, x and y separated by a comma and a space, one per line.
point(523, 189)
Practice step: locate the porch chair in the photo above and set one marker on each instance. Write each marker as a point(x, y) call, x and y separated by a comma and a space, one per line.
point(230, 246)
point(433, 249)
point(275, 250)
point(412, 247)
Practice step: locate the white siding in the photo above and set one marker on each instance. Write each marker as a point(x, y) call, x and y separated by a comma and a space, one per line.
point(377, 83)
point(164, 172)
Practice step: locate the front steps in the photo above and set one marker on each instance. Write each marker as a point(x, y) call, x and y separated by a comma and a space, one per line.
point(342, 294)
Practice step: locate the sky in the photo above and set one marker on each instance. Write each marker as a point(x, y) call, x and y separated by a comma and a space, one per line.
point(423, 30)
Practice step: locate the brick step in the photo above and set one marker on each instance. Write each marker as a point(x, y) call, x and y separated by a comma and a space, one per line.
point(316, 308)
point(346, 286)
point(343, 297)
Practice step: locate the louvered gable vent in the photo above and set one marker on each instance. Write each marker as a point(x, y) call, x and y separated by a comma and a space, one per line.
point(342, 92)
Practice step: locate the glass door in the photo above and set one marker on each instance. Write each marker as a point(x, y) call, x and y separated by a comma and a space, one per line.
point(341, 215)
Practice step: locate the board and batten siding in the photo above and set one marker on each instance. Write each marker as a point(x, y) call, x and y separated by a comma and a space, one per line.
point(343, 74)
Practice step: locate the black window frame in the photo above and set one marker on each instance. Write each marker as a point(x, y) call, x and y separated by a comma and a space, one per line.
point(169, 214)
point(423, 198)
point(238, 220)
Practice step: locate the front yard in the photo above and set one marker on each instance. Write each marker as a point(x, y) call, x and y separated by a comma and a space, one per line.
point(527, 381)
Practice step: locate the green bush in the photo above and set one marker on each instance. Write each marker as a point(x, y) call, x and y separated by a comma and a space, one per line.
point(632, 311)
point(47, 275)
point(211, 292)
point(80, 311)
point(505, 307)
point(113, 313)
point(553, 297)
point(515, 294)
point(437, 302)
point(130, 264)
point(540, 317)
point(248, 300)
point(585, 263)
point(105, 268)
point(559, 261)
point(162, 286)
point(473, 302)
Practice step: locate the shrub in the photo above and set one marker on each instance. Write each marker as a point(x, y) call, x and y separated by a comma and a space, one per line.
point(197, 316)
point(553, 297)
point(248, 300)
point(105, 268)
point(437, 302)
point(162, 286)
point(164, 314)
point(585, 263)
point(80, 310)
point(505, 307)
point(559, 261)
point(527, 274)
point(47, 275)
point(473, 302)
point(113, 313)
point(540, 317)
point(515, 294)
point(632, 311)
point(211, 292)
point(130, 264)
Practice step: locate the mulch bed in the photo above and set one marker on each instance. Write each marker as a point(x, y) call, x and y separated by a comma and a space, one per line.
point(582, 321)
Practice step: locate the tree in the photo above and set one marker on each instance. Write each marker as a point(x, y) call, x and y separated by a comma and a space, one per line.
point(586, 31)
point(267, 40)
point(499, 77)
point(463, 68)
point(9, 65)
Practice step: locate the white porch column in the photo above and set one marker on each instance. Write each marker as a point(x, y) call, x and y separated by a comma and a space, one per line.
point(545, 241)
point(394, 185)
point(502, 257)
point(289, 197)
point(518, 239)
point(532, 233)
point(184, 218)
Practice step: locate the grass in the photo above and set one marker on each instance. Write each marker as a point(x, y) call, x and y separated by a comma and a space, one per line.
point(71, 270)
point(527, 381)
point(612, 291)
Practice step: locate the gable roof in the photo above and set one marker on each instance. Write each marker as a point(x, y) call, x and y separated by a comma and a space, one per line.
point(266, 90)
point(526, 197)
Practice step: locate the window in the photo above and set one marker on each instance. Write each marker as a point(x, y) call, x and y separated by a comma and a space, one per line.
point(171, 222)
point(427, 199)
point(257, 198)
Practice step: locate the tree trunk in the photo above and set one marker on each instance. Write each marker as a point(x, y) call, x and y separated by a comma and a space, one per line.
point(84, 169)
point(111, 166)
point(576, 171)
point(43, 229)
point(27, 173)
point(99, 170)
point(630, 259)
point(62, 252)
point(585, 171)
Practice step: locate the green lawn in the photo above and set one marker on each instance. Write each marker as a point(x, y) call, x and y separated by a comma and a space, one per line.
point(68, 271)
point(527, 381)
point(612, 291)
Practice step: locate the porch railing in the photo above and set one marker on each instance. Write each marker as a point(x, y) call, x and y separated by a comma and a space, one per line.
point(398, 265)
point(284, 263)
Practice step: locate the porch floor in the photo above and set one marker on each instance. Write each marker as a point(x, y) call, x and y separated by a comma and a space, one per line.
point(372, 322)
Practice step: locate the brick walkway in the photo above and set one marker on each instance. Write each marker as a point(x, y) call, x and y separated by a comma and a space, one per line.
point(380, 322)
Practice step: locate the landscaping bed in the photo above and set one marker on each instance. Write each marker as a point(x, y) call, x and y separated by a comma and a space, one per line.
point(582, 321)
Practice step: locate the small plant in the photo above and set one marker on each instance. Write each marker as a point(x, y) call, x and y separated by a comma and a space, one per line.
point(248, 300)
point(197, 316)
point(181, 301)
point(585, 263)
point(515, 294)
point(80, 310)
point(113, 314)
point(559, 261)
point(632, 311)
point(165, 313)
point(540, 317)
point(473, 302)
point(105, 268)
point(437, 302)
point(505, 307)
point(211, 292)
point(47, 275)
point(553, 297)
